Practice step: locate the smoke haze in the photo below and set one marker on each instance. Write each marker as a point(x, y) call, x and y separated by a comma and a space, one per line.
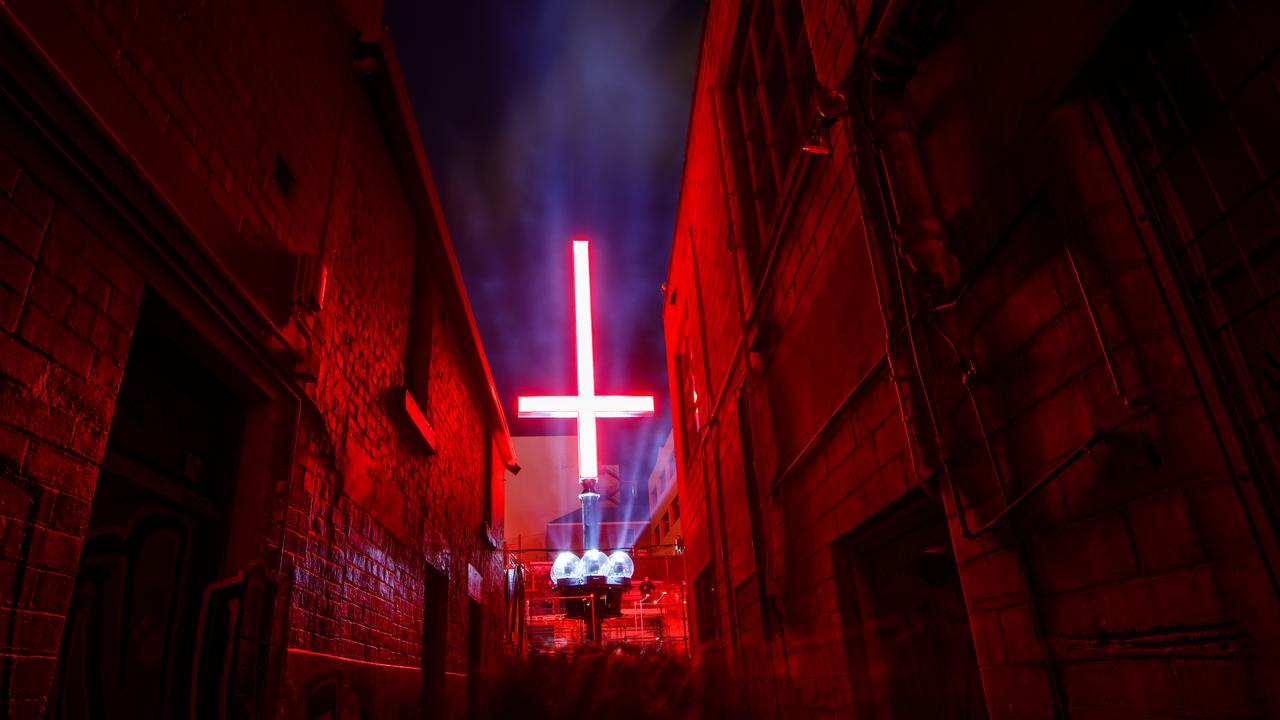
point(546, 121)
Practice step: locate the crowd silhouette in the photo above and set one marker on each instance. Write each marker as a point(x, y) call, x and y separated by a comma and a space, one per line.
point(617, 682)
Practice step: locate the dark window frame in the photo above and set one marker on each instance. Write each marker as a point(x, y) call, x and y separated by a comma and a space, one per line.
point(492, 512)
point(489, 464)
point(771, 89)
point(424, 312)
point(423, 306)
point(687, 402)
point(707, 612)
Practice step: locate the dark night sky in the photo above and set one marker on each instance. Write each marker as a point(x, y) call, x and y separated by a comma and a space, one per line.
point(543, 121)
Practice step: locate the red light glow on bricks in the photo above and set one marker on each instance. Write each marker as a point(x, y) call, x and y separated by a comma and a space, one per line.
point(586, 406)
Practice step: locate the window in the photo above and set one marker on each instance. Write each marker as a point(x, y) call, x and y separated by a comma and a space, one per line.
point(417, 356)
point(492, 508)
point(489, 464)
point(690, 412)
point(475, 660)
point(704, 598)
point(770, 96)
point(435, 636)
point(675, 510)
point(417, 361)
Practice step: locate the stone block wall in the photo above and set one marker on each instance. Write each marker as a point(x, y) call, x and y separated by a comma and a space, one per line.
point(1062, 374)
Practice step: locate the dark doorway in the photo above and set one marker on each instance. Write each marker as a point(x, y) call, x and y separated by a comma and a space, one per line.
point(156, 536)
point(475, 649)
point(906, 629)
point(435, 642)
point(704, 602)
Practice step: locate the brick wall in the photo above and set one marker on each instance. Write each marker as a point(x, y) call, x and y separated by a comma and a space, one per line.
point(1129, 582)
point(70, 302)
point(207, 100)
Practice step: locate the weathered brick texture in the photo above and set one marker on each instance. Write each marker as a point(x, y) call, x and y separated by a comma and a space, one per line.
point(59, 372)
point(1134, 580)
point(187, 110)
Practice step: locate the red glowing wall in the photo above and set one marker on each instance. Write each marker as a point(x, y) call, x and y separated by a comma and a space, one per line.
point(207, 159)
point(1038, 283)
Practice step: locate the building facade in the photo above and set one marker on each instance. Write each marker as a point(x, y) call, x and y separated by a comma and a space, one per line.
point(617, 519)
point(664, 501)
point(974, 367)
point(250, 451)
point(546, 488)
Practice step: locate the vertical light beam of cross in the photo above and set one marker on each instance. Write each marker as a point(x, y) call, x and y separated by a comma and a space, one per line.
point(586, 406)
point(587, 445)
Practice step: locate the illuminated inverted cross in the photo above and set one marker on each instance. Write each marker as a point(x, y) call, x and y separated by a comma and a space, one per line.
point(586, 406)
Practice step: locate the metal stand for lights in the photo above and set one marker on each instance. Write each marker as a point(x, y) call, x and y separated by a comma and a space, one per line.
point(594, 576)
point(595, 582)
point(588, 497)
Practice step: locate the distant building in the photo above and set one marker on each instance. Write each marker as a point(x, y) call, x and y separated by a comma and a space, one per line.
point(654, 612)
point(976, 372)
point(664, 501)
point(621, 517)
point(546, 488)
point(542, 510)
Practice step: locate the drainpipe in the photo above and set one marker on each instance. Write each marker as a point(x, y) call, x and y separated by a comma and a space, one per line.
point(892, 188)
point(925, 452)
point(920, 236)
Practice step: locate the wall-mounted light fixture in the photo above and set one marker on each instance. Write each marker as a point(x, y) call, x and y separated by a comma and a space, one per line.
point(832, 105)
